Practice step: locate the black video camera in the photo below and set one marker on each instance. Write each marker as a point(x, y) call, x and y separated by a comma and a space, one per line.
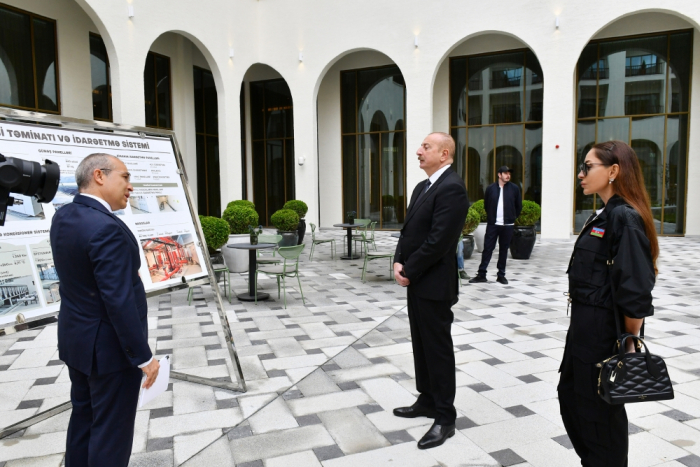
point(26, 178)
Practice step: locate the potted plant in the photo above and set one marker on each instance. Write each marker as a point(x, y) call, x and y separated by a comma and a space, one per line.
point(300, 208)
point(480, 231)
point(241, 202)
point(351, 216)
point(470, 224)
point(286, 222)
point(215, 236)
point(525, 232)
point(239, 217)
point(388, 210)
point(254, 232)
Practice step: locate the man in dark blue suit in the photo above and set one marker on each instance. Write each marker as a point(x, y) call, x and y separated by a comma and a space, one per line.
point(102, 325)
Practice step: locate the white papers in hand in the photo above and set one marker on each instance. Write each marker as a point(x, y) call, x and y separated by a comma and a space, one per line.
point(160, 384)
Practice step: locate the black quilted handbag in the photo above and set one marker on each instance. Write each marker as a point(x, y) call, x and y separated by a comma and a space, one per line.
point(632, 377)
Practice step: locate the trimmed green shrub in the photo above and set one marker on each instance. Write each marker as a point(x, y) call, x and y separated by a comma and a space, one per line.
point(530, 214)
point(215, 232)
point(285, 220)
point(387, 200)
point(471, 222)
point(297, 206)
point(239, 218)
point(241, 202)
point(478, 207)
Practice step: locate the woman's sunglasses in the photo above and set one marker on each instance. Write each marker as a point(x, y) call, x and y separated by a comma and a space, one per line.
point(586, 167)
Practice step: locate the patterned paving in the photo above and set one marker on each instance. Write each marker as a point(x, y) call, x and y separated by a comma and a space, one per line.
point(324, 377)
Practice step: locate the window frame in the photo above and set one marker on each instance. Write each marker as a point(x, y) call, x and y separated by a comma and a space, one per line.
point(109, 83)
point(152, 54)
point(32, 16)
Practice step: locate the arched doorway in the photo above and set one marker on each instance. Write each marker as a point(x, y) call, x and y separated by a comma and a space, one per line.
point(269, 122)
point(636, 89)
point(495, 118)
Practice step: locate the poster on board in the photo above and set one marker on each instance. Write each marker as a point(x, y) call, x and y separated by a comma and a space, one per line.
point(158, 214)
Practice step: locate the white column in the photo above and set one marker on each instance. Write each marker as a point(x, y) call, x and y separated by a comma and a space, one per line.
point(558, 129)
point(306, 176)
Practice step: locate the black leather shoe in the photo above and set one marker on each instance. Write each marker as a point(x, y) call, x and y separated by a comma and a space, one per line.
point(414, 411)
point(436, 436)
point(502, 280)
point(477, 279)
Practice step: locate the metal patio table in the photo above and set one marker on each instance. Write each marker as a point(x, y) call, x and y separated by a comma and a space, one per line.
point(349, 228)
point(252, 267)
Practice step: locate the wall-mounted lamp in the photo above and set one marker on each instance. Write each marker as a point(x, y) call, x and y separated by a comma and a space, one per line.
point(556, 22)
point(130, 11)
point(301, 56)
point(230, 52)
point(415, 41)
point(301, 160)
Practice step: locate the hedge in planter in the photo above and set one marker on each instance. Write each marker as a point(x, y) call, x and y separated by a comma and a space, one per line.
point(471, 222)
point(300, 208)
point(215, 232)
point(285, 220)
point(525, 233)
point(239, 218)
point(297, 206)
point(478, 207)
point(241, 202)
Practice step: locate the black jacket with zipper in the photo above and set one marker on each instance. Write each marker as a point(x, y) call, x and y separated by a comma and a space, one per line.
point(620, 230)
point(512, 202)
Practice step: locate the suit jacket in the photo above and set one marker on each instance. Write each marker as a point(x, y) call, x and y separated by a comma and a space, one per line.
point(102, 322)
point(512, 202)
point(428, 242)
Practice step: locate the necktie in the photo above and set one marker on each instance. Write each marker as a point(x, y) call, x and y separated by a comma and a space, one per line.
point(427, 185)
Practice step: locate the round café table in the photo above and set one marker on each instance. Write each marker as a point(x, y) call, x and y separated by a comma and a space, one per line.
point(349, 228)
point(252, 266)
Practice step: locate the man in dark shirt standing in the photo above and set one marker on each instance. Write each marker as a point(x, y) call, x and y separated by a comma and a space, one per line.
point(503, 204)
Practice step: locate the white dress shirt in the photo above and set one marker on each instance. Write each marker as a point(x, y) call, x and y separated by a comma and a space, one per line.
point(109, 208)
point(499, 208)
point(434, 177)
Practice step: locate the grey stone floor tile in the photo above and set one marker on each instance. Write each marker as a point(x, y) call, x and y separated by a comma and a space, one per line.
point(690, 461)
point(328, 452)
point(564, 441)
point(507, 457)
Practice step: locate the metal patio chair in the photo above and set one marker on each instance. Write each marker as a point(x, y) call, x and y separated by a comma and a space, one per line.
point(288, 268)
point(370, 255)
point(318, 241)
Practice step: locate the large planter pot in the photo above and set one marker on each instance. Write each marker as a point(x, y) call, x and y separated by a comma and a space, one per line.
point(288, 238)
point(236, 260)
point(479, 235)
point(301, 230)
point(468, 242)
point(524, 238)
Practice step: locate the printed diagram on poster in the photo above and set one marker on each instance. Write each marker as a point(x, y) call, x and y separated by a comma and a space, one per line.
point(157, 214)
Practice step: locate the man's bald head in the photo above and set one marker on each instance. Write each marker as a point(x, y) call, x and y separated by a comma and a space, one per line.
point(446, 142)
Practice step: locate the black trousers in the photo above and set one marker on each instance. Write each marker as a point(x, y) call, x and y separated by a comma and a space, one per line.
point(433, 355)
point(502, 233)
point(597, 430)
point(101, 427)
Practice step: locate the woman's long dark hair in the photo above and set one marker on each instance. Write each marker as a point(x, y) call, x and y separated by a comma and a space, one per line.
point(629, 185)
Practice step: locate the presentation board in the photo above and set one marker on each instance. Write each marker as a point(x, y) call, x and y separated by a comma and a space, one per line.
point(158, 214)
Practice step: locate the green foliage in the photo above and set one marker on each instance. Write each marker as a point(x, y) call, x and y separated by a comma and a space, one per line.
point(241, 202)
point(530, 214)
point(471, 222)
point(478, 207)
point(387, 200)
point(297, 206)
point(239, 218)
point(285, 220)
point(215, 232)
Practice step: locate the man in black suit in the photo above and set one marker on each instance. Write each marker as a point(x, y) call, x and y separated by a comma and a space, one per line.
point(102, 326)
point(502, 203)
point(426, 263)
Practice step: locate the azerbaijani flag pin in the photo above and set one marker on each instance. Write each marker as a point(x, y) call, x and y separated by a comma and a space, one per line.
point(597, 232)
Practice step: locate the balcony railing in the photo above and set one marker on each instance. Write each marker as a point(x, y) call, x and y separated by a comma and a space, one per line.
point(644, 69)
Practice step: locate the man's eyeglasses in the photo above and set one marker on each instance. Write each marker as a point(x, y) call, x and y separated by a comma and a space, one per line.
point(127, 175)
point(586, 167)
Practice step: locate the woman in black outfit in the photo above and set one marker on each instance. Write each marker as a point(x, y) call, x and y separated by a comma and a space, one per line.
point(625, 228)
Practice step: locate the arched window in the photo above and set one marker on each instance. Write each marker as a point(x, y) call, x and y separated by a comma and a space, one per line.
point(636, 90)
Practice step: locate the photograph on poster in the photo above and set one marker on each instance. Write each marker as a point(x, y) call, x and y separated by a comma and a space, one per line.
point(29, 210)
point(171, 257)
point(139, 205)
point(168, 203)
point(67, 189)
point(17, 289)
point(43, 260)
